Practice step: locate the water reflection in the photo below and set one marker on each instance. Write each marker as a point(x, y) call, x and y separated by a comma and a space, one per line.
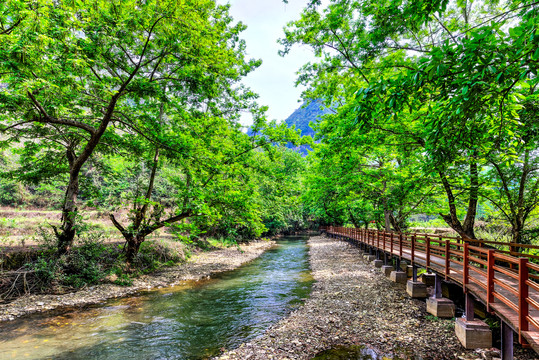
point(185, 322)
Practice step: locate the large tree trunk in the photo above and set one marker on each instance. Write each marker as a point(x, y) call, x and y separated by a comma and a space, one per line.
point(451, 219)
point(469, 221)
point(395, 223)
point(133, 247)
point(387, 220)
point(69, 210)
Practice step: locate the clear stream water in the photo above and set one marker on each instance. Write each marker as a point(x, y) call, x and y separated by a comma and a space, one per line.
point(192, 321)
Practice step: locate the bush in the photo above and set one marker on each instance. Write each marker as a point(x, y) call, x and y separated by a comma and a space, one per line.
point(156, 253)
point(91, 261)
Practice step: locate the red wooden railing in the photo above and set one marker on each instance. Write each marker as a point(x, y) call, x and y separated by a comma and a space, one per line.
point(505, 280)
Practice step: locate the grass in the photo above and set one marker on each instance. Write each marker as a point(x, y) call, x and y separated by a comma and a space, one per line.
point(19, 227)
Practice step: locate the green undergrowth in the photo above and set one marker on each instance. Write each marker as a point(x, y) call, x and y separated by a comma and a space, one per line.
point(92, 261)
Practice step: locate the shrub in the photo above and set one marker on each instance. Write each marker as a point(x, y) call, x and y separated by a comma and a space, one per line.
point(155, 253)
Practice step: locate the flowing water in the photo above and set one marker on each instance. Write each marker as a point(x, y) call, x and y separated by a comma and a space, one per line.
point(192, 321)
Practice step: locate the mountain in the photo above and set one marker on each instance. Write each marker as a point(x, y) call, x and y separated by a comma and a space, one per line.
point(301, 118)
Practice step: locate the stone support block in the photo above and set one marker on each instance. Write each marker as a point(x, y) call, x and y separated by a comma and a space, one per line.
point(473, 334)
point(398, 277)
point(387, 269)
point(416, 289)
point(409, 270)
point(404, 265)
point(370, 257)
point(428, 279)
point(441, 307)
point(378, 263)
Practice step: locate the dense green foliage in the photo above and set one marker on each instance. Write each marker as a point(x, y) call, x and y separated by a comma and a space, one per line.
point(428, 110)
point(436, 112)
point(133, 108)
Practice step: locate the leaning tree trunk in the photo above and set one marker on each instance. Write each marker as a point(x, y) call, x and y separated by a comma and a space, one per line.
point(66, 235)
point(387, 220)
point(451, 219)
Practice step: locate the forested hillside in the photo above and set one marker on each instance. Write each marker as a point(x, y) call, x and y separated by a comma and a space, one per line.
point(311, 111)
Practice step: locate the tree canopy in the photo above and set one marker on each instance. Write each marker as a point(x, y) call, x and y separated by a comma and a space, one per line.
point(435, 103)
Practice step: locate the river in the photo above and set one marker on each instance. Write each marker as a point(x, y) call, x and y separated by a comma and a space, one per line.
point(190, 321)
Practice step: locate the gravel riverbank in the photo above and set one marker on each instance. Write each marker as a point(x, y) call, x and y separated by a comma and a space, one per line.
point(199, 267)
point(352, 303)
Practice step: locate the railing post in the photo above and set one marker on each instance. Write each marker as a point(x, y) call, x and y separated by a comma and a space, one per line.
point(400, 246)
point(490, 278)
point(378, 240)
point(427, 240)
point(465, 269)
point(413, 250)
point(523, 290)
point(447, 259)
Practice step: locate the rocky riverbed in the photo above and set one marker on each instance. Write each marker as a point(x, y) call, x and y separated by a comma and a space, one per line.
point(352, 303)
point(200, 266)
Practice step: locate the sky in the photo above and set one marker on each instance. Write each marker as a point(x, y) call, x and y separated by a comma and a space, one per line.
point(274, 79)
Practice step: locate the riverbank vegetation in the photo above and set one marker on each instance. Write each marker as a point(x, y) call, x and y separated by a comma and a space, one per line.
point(129, 113)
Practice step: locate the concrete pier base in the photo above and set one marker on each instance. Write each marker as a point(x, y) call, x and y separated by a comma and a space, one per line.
point(416, 289)
point(370, 257)
point(387, 269)
point(409, 270)
point(378, 263)
point(473, 334)
point(441, 307)
point(398, 277)
point(404, 265)
point(428, 279)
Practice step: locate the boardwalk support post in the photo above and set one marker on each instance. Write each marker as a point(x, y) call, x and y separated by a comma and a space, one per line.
point(414, 288)
point(507, 342)
point(437, 305)
point(469, 311)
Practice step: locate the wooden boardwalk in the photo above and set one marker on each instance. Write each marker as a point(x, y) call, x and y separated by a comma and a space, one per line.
point(508, 285)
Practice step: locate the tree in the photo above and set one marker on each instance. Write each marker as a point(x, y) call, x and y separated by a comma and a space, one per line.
point(446, 78)
point(76, 71)
point(209, 164)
